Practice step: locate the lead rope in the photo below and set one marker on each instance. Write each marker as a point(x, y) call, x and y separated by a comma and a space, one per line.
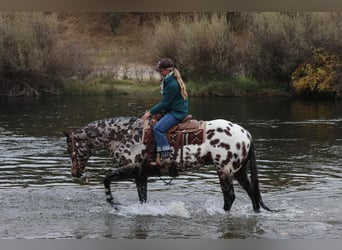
point(167, 182)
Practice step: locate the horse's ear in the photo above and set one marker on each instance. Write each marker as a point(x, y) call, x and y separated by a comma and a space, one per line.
point(66, 134)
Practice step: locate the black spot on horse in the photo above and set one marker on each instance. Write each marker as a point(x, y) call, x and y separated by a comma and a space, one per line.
point(214, 142)
point(210, 133)
point(238, 145)
point(225, 162)
point(198, 153)
point(136, 138)
point(220, 130)
point(227, 132)
point(225, 145)
point(244, 149)
point(236, 164)
point(138, 158)
point(229, 155)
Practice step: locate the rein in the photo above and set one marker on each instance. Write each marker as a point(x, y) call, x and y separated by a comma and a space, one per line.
point(134, 126)
point(73, 150)
point(167, 182)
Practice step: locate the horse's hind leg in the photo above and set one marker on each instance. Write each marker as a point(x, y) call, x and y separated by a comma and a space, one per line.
point(227, 187)
point(242, 177)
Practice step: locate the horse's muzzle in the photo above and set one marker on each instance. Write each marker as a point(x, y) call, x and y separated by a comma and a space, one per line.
point(78, 173)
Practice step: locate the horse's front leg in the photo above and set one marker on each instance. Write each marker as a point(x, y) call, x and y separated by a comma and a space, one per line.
point(141, 183)
point(115, 175)
point(227, 187)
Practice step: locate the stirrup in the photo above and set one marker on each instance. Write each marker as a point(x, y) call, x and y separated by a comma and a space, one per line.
point(157, 161)
point(161, 163)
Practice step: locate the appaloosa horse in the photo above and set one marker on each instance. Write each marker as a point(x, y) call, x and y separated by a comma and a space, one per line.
point(226, 145)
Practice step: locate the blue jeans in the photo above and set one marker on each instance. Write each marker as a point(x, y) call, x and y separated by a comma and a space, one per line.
point(159, 131)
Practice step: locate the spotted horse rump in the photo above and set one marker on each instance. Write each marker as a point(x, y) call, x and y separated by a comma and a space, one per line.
point(226, 145)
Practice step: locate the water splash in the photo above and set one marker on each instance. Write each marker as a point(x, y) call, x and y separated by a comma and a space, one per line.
point(213, 207)
point(174, 208)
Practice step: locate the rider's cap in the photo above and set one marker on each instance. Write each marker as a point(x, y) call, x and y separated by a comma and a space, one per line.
point(164, 64)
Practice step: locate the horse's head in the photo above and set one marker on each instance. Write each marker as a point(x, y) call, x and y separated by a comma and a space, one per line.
point(79, 150)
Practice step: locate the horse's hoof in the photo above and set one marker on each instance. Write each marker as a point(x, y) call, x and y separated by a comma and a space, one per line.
point(113, 204)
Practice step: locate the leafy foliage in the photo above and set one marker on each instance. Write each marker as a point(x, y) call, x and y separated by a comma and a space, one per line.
point(318, 75)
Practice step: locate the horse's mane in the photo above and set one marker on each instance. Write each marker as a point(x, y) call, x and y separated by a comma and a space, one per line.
point(114, 120)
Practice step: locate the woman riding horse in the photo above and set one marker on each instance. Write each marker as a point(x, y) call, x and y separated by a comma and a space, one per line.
point(174, 105)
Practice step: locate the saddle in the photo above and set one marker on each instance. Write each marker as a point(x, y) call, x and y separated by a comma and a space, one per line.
point(188, 131)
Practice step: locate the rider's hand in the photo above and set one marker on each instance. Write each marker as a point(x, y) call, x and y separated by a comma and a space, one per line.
point(146, 115)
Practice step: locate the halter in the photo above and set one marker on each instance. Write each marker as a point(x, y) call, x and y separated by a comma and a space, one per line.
point(73, 152)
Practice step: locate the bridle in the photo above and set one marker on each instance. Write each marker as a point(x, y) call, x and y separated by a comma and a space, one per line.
point(72, 138)
point(74, 159)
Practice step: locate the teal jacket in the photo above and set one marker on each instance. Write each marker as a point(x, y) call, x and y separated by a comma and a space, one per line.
point(172, 102)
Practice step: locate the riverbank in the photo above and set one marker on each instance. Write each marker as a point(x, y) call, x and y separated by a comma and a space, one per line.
point(99, 53)
point(150, 87)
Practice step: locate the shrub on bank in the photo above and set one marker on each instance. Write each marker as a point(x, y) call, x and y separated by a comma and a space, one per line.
point(204, 48)
point(268, 46)
point(320, 74)
point(31, 59)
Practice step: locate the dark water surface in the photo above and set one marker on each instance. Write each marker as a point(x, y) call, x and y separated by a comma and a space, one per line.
point(298, 146)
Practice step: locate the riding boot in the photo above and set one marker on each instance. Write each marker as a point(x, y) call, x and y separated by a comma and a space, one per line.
point(157, 162)
point(165, 160)
point(162, 159)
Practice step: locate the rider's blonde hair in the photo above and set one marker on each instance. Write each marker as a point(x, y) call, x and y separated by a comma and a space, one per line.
point(177, 75)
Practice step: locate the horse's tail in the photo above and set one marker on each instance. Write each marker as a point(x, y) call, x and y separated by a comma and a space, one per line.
point(254, 177)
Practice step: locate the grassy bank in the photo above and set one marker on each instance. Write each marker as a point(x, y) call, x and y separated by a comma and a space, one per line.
point(240, 86)
point(108, 87)
point(231, 87)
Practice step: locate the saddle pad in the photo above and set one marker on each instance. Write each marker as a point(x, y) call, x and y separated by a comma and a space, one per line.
point(192, 136)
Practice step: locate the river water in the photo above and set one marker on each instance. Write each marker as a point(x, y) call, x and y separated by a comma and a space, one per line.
point(298, 146)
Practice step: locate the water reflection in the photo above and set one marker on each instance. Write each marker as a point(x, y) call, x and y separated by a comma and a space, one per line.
point(240, 228)
point(291, 136)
